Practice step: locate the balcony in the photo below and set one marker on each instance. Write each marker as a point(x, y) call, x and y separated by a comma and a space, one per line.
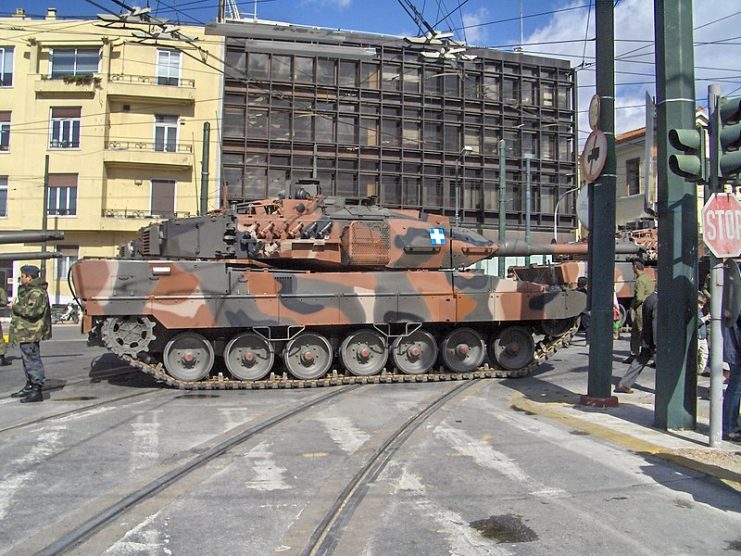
point(68, 86)
point(141, 214)
point(138, 153)
point(124, 87)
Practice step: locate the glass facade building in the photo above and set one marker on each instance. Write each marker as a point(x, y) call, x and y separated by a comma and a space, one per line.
point(373, 115)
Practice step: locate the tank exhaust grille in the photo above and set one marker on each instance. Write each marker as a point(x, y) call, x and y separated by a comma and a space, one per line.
point(144, 244)
point(366, 243)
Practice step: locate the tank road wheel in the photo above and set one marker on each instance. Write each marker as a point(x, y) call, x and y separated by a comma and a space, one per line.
point(462, 350)
point(513, 348)
point(249, 356)
point(364, 352)
point(189, 356)
point(414, 354)
point(555, 328)
point(127, 335)
point(308, 355)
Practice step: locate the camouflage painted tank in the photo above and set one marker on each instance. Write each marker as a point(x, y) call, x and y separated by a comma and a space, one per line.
point(289, 290)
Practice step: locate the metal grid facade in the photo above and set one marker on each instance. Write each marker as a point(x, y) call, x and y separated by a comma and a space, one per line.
point(394, 124)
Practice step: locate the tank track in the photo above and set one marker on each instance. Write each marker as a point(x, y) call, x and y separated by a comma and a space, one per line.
point(543, 350)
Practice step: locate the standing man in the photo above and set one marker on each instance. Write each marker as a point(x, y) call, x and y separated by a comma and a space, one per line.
point(648, 345)
point(3, 348)
point(30, 324)
point(644, 286)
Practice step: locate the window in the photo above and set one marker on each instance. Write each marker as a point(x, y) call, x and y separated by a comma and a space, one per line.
point(62, 195)
point(6, 66)
point(168, 67)
point(65, 128)
point(632, 174)
point(4, 130)
point(70, 254)
point(74, 61)
point(163, 198)
point(3, 196)
point(165, 133)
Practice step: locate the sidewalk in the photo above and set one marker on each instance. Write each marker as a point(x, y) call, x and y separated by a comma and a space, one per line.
point(554, 392)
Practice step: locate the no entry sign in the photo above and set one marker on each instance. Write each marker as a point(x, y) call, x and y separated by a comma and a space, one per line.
point(721, 223)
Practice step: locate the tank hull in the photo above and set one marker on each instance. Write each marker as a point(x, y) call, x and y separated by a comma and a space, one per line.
point(187, 314)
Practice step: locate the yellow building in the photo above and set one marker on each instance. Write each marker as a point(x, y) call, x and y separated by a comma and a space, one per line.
point(121, 120)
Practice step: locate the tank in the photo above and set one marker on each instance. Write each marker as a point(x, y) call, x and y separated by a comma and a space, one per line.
point(309, 290)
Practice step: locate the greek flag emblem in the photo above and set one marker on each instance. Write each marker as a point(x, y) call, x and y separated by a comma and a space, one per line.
point(437, 236)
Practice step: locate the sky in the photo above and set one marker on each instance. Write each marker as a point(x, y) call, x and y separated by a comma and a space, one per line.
point(557, 28)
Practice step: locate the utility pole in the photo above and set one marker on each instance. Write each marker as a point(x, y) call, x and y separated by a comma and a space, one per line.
point(528, 203)
point(205, 168)
point(44, 213)
point(676, 346)
point(502, 204)
point(602, 220)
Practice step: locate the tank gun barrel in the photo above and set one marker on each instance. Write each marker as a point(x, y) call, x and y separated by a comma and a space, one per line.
point(30, 256)
point(519, 248)
point(30, 236)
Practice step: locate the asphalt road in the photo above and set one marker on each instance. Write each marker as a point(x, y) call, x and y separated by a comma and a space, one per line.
point(470, 476)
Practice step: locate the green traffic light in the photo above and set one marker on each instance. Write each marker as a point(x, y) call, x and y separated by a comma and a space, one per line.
point(690, 165)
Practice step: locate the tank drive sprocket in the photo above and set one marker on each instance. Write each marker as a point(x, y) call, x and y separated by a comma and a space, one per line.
point(127, 335)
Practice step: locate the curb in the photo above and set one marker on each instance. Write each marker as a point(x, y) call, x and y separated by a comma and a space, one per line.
point(637, 445)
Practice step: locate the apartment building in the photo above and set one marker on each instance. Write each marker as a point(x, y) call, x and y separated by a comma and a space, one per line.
point(120, 119)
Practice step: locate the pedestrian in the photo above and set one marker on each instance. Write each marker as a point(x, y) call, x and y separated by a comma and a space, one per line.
point(3, 348)
point(643, 287)
point(615, 316)
point(732, 395)
point(585, 316)
point(648, 345)
point(702, 335)
point(31, 323)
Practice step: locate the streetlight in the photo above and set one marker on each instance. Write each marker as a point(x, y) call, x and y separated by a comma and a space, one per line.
point(461, 157)
point(528, 157)
point(555, 213)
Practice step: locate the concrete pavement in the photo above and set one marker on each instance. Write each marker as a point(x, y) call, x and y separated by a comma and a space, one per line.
point(630, 425)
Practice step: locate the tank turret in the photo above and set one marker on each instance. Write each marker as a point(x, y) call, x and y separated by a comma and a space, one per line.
point(320, 233)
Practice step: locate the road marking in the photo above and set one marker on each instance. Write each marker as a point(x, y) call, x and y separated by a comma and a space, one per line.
point(344, 433)
point(268, 474)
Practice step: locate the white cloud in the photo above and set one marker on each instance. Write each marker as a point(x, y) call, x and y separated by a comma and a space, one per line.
point(476, 35)
point(562, 36)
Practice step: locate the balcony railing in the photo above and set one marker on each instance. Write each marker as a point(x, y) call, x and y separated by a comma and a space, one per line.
point(142, 214)
point(147, 147)
point(150, 80)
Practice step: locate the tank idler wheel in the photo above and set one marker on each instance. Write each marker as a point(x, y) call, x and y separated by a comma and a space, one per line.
point(308, 356)
point(462, 350)
point(414, 354)
point(513, 348)
point(127, 335)
point(249, 356)
point(364, 352)
point(189, 356)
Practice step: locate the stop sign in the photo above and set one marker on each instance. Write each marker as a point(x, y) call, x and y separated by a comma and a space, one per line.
point(721, 222)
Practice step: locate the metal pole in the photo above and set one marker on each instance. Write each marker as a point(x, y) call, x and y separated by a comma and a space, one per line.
point(502, 205)
point(676, 346)
point(204, 167)
point(527, 204)
point(716, 286)
point(555, 213)
point(602, 220)
point(457, 190)
point(44, 212)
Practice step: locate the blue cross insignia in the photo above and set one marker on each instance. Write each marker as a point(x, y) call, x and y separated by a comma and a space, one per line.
point(437, 236)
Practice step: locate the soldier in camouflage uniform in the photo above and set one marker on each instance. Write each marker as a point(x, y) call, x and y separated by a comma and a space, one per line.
point(3, 348)
point(30, 324)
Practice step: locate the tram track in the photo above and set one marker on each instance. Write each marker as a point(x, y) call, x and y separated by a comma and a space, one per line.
point(88, 527)
point(329, 531)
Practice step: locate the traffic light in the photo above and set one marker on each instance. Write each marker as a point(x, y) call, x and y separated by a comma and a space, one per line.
point(692, 164)
point(729, 157)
